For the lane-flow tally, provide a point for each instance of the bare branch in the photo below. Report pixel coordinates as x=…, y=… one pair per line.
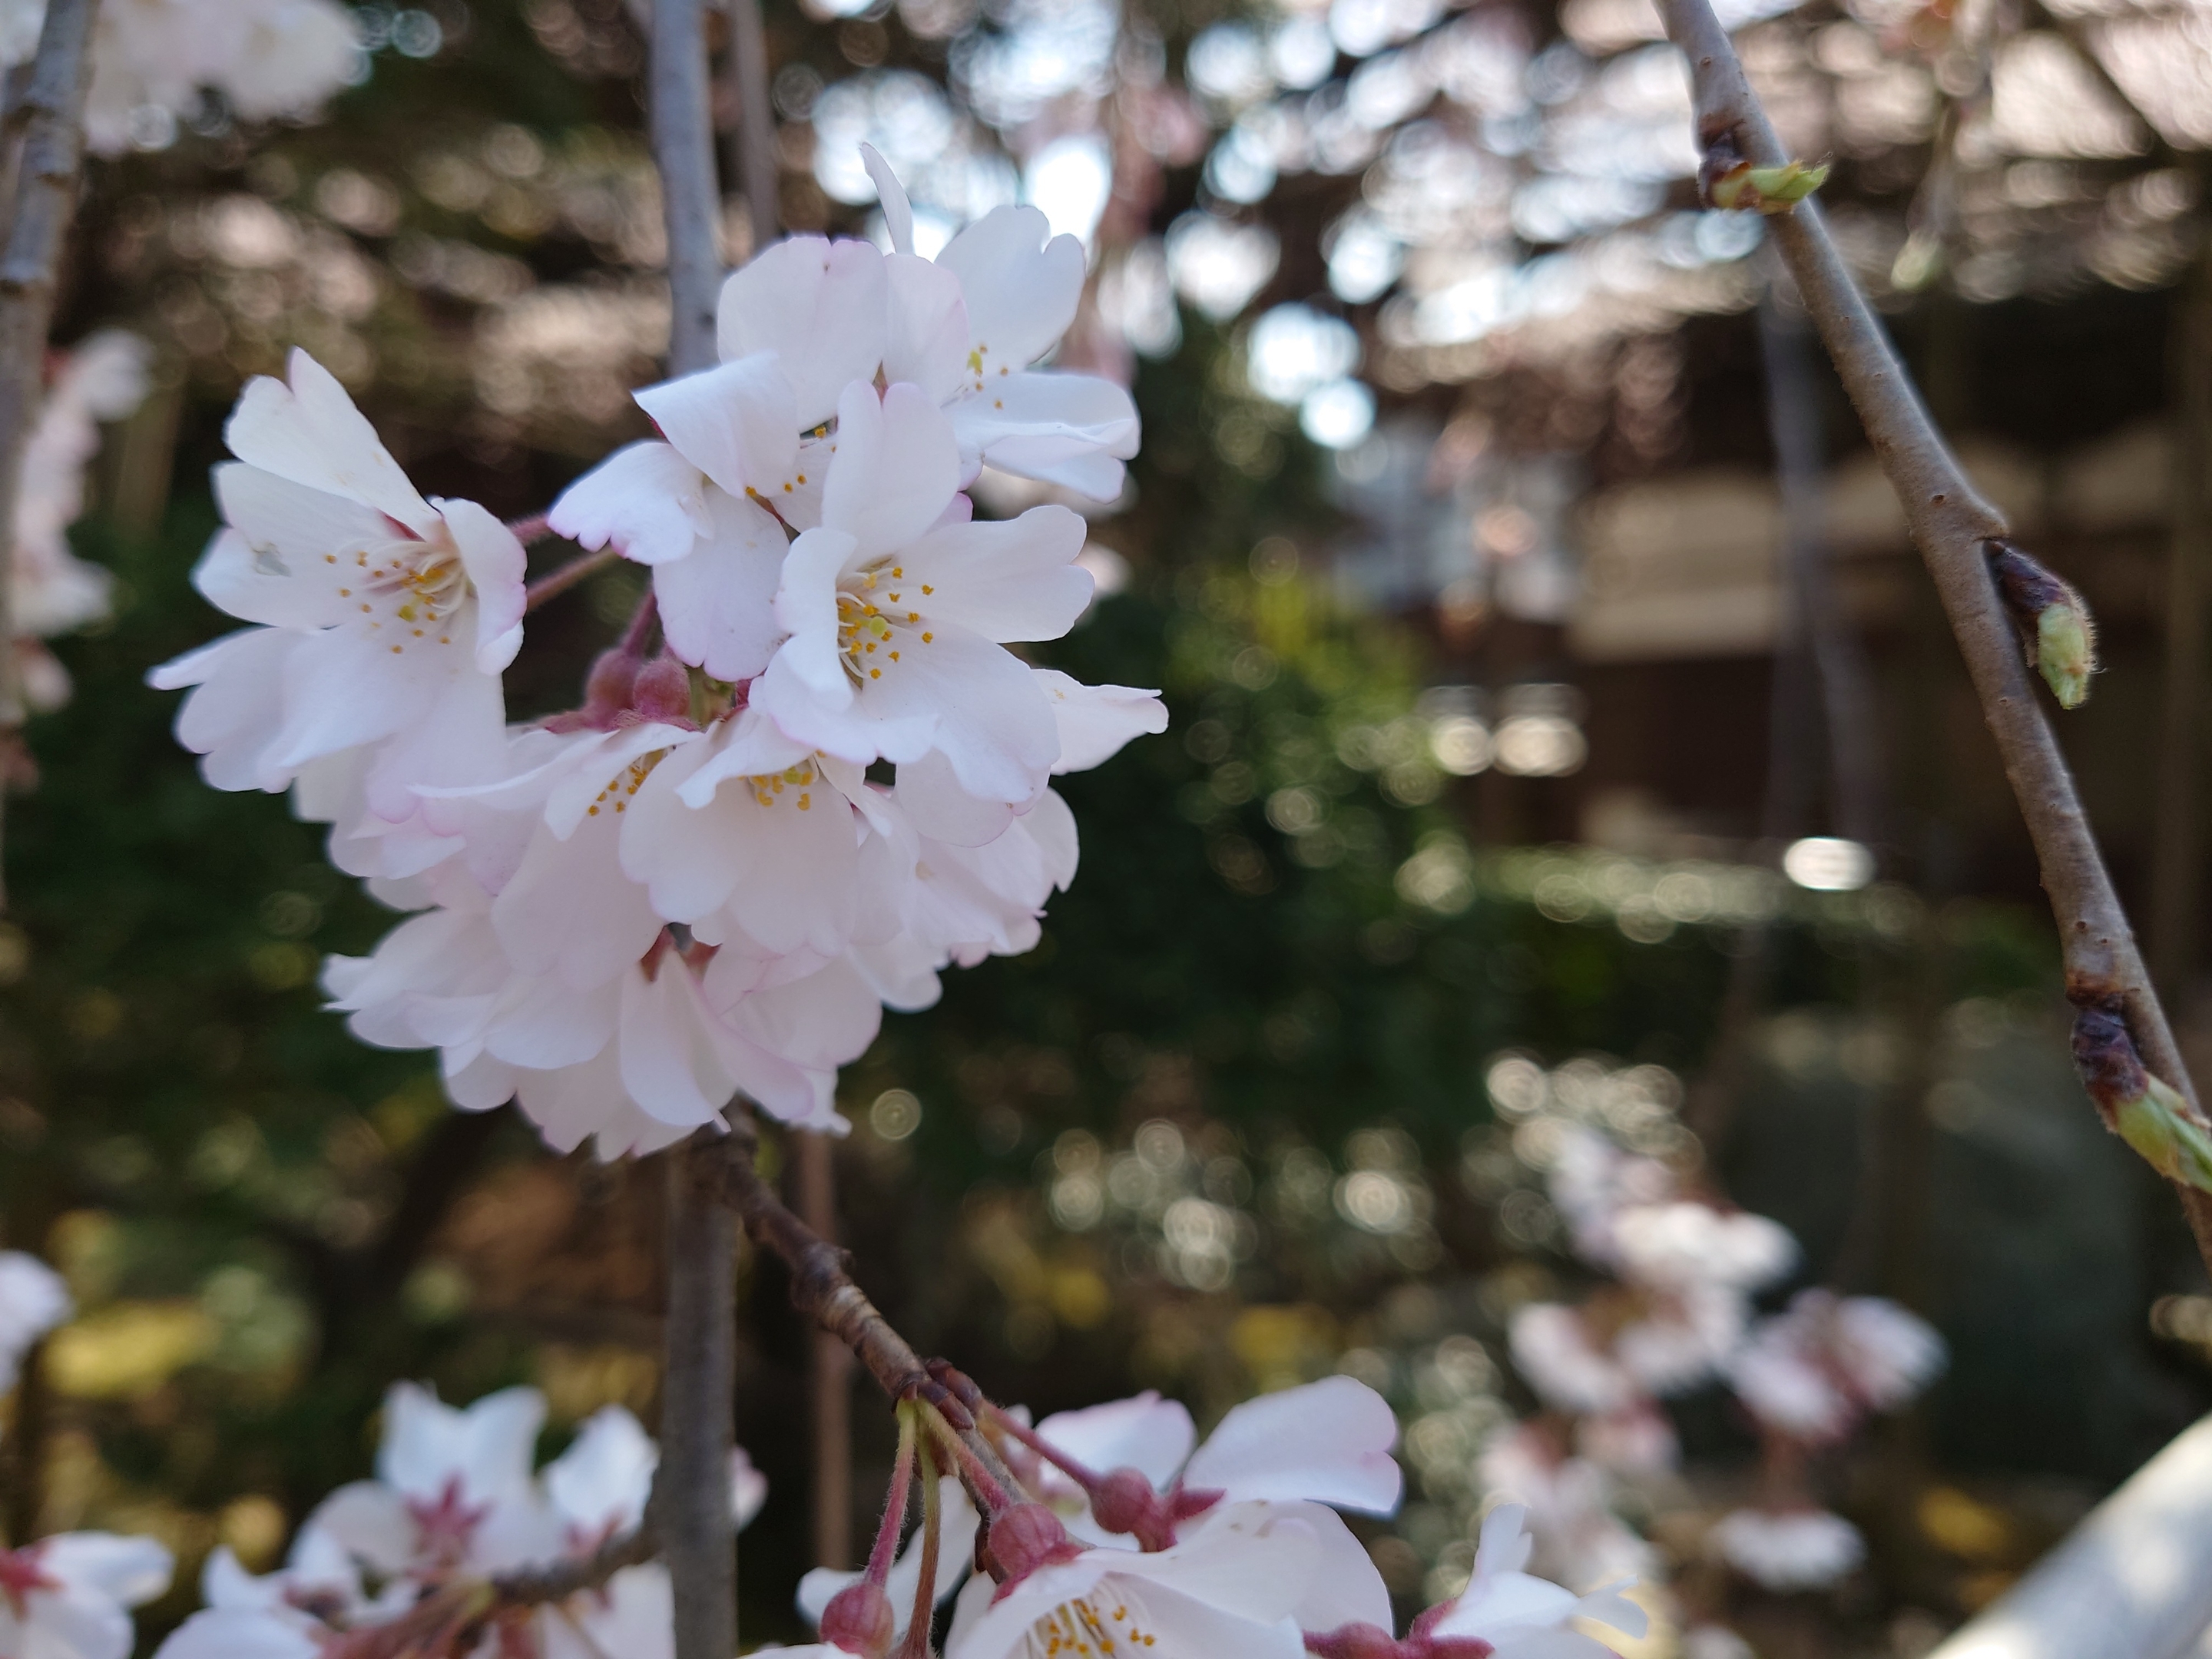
x=753, y=164
x=691, y=1490
x=1952, y=526
x=51, y=111
x=534, y=1587
x=683, y=150
x=561, y=579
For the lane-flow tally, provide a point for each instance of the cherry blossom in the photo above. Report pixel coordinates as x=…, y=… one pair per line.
x=966, y=327
x=898, y=610
x=1789, y=1548
x=1231, y=1590
x=384, y=618
x=33, y=1301
x=69, y=1597
x=1814, y=1372
x=150, y=60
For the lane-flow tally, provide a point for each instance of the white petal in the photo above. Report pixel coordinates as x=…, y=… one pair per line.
x=1328, y=1441
x=928, y=340
x=819, y=305
x=1022, y=284
x=897, y=467
x=494, y=561
x=1009, y=582
x=296, y=539
x=1144, y=1432
x=645, y=500
x=898, y=212
x=942, y=811
x=1063, y=427
x=310, y=432
x=806, y=609
x=991, y=720
x=128, y=1570
x=735, y=423
x=717, y=604
x=602, y=1480
x=1095, y=722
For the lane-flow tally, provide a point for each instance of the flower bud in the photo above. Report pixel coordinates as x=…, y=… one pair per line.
x=1124, y=1501
x=1762, y=190
x=2151, y=1116
x=1029, y=1536
x=858, y=1619
x=2063, y=647
x=612, y=679
x=663, y=692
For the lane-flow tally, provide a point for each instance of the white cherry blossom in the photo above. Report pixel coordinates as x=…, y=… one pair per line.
x=384, y=618
x=1229, y=1593
x=966, y=328
x=899, y=608
x=1788, y=1549
x=1523, y=1617
x=69, y=1597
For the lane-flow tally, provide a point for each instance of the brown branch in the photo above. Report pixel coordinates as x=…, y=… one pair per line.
x=533, y=1587
x=690, y=200
x=691, y=1490
x=52, y=111
x=1953, y=526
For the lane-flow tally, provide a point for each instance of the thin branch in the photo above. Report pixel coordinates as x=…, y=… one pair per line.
x=691, y=1490
x=559, y=580
x=683, y=150
x=1953, y=526
x=753, y=161
x=828, y=1371
x=52, y=113
x=534, y=1587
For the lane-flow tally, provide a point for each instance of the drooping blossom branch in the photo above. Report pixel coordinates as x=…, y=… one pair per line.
x=52, y=111
x=1958, y=533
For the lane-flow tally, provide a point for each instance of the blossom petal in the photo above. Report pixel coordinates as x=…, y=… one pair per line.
x=129, y=1571
x=1015, y=580
x=1328, y=1441
x=310, y=432
x=897, y=467
x=645, y=499
x=1064, y=428
x=717, y=604
x=898, y=212
x=928, y=340
x=1144, y=1432
x=496, y=560
x=735, y=423
x=818, y=305
x=293, y=538
x=806, y=609
x=1095, y=722
x=1022, y=284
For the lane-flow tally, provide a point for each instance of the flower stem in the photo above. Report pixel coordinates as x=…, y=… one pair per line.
x=555, y=582
x=916, y=1645
x=887, y=1534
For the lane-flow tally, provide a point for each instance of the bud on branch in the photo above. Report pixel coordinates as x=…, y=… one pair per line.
x=2061, y=634
x=2172, y=1135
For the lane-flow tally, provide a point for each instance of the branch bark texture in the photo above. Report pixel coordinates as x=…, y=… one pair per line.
x=1952, y=526
x=683, y=150
x=691, y=1490
x=51, y=115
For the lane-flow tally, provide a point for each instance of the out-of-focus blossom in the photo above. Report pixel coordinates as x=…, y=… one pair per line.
x=1788, y=1549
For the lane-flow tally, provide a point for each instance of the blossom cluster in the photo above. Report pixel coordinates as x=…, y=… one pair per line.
x=153, y=59
x=1676, y=1313
x=830, y=778
x=454, y=1502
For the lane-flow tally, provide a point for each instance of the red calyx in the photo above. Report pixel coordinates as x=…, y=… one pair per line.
x=1026, y=1537
x=1373, y=1642
x=858, y=1619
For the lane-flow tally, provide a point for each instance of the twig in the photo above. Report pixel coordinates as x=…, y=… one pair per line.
x=561, y=579
x=1953, y=526
x=683, y=150
x=52, y=113
x=828, y=1371
x=535, y=1586
x=753, y=146
x=691, y=1491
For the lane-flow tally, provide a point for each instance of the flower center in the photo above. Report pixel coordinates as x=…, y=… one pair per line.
x=1096, y=1627
x=406, y=589
x=443, y=1529
x=625, y=783
x=875, y=625
x=20, y=1574
x=798, y=781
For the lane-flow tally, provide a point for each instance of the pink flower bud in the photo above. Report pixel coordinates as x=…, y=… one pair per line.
x=663, y=691
x=1124, y=1501
x=858, y=1619
x=614, y=673
x=1029, y=1536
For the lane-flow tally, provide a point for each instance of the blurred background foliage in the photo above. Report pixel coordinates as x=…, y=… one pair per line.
x=1238, y=1121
